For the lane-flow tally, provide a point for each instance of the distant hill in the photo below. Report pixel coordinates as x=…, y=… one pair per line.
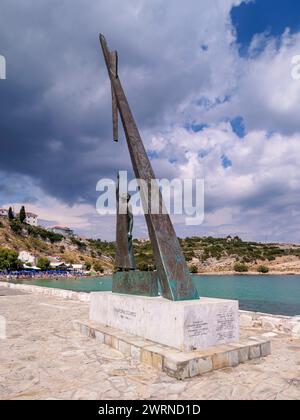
x=229, y=255
x=42, y=243
x=203, y=255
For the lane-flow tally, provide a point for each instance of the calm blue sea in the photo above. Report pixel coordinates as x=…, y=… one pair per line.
x=270, y=294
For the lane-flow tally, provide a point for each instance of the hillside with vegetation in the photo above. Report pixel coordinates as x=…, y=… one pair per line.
x=228, y=255
x=203, y=255
x=16, y=237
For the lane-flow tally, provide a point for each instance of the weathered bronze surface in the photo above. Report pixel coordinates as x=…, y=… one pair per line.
x=124, y=249
x=171, y=266
x=114, y=66
x=142, y=283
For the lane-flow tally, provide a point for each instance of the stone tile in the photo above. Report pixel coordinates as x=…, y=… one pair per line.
x=200, y=366
x=254, y=352
x=246, y=320
x=125, y=348
x=265, y=349
x=85, y=330
x=183, y=371
x=115, y=343
x=99, y=336
x=135, y=352
x=157, y=361
x=221, y=360
x=146, y=357
x=108, y=340
x=243, y=354
x=92, y=333
x=233, y=358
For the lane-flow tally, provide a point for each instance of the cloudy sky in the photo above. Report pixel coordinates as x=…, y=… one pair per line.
x=210, y=83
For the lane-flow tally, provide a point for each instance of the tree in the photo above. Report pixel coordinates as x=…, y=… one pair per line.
x=263, y=269
x=11, y=214
x=88, y=265
x=22, y=214
x=194, y=269
x=16, y=226
x=43, y=263
x=241, y=268
x=9, y=260
x=98, y=267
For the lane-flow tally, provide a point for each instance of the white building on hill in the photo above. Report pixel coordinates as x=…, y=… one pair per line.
x=31, y=219
x=62, y=230
x=27, y=258
x=3, y=213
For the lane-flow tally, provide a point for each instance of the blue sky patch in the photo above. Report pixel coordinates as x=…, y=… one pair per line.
x=238, y=126
x=195, y=127
x=271, y=16
x=207, y=103
x=226, y=162
x=152, y=154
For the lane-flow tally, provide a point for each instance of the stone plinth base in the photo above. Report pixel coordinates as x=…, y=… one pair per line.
x=142, y=283
x=186, y=325
x=180, y=365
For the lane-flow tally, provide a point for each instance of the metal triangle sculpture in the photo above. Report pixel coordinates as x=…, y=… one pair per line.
x=172, y=271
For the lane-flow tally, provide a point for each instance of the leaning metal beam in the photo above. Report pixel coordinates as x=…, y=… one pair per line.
x=171, y=266
x=114, y=67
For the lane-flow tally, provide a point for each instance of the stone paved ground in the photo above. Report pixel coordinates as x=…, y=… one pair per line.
x=43, y=358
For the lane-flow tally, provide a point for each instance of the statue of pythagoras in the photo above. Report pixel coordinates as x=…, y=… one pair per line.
x=172, y=271
x=124, y=248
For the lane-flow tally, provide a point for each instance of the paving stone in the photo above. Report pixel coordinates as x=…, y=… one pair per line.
x=45, y=358
x=255, y=352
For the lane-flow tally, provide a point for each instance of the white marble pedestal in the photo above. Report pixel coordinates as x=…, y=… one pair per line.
x=186, y=325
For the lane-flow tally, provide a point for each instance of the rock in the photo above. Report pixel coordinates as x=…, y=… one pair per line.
x=271, y=323
x=292, y=325
x=296, y=331
x=246, y=320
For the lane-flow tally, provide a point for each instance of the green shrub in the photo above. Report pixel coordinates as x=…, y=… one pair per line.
x=263, y=269
x=80, y=245
x=194, y=269
x=9, y=260
x=241, y=268
x=39, y=232
x=143, y=266
x=16, y=226
x=43, y=263
x=88, y=265
x=98, y=267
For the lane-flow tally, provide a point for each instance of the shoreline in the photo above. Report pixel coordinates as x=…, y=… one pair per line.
x=205, y=273
x=247, y=318
x=14, y=278
x=248, y=273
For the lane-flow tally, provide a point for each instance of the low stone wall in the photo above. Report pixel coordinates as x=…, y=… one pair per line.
x=47, y=291
x=275, y=323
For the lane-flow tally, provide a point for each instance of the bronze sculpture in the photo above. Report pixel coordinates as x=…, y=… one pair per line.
x=124, y=249
x=172, y=271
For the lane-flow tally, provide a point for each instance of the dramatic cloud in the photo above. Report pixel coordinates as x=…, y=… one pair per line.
x=257, y=195
x=203, y=109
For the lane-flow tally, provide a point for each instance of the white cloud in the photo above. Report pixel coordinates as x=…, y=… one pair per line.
x=165, y=73
x=265, y=93
x=261, y=187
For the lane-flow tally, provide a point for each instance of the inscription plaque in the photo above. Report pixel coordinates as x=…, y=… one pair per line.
x=225, y=325
x=123, y=314
x=197, y=329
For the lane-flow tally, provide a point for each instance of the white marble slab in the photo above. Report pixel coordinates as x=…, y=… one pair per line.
x=187, y=325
